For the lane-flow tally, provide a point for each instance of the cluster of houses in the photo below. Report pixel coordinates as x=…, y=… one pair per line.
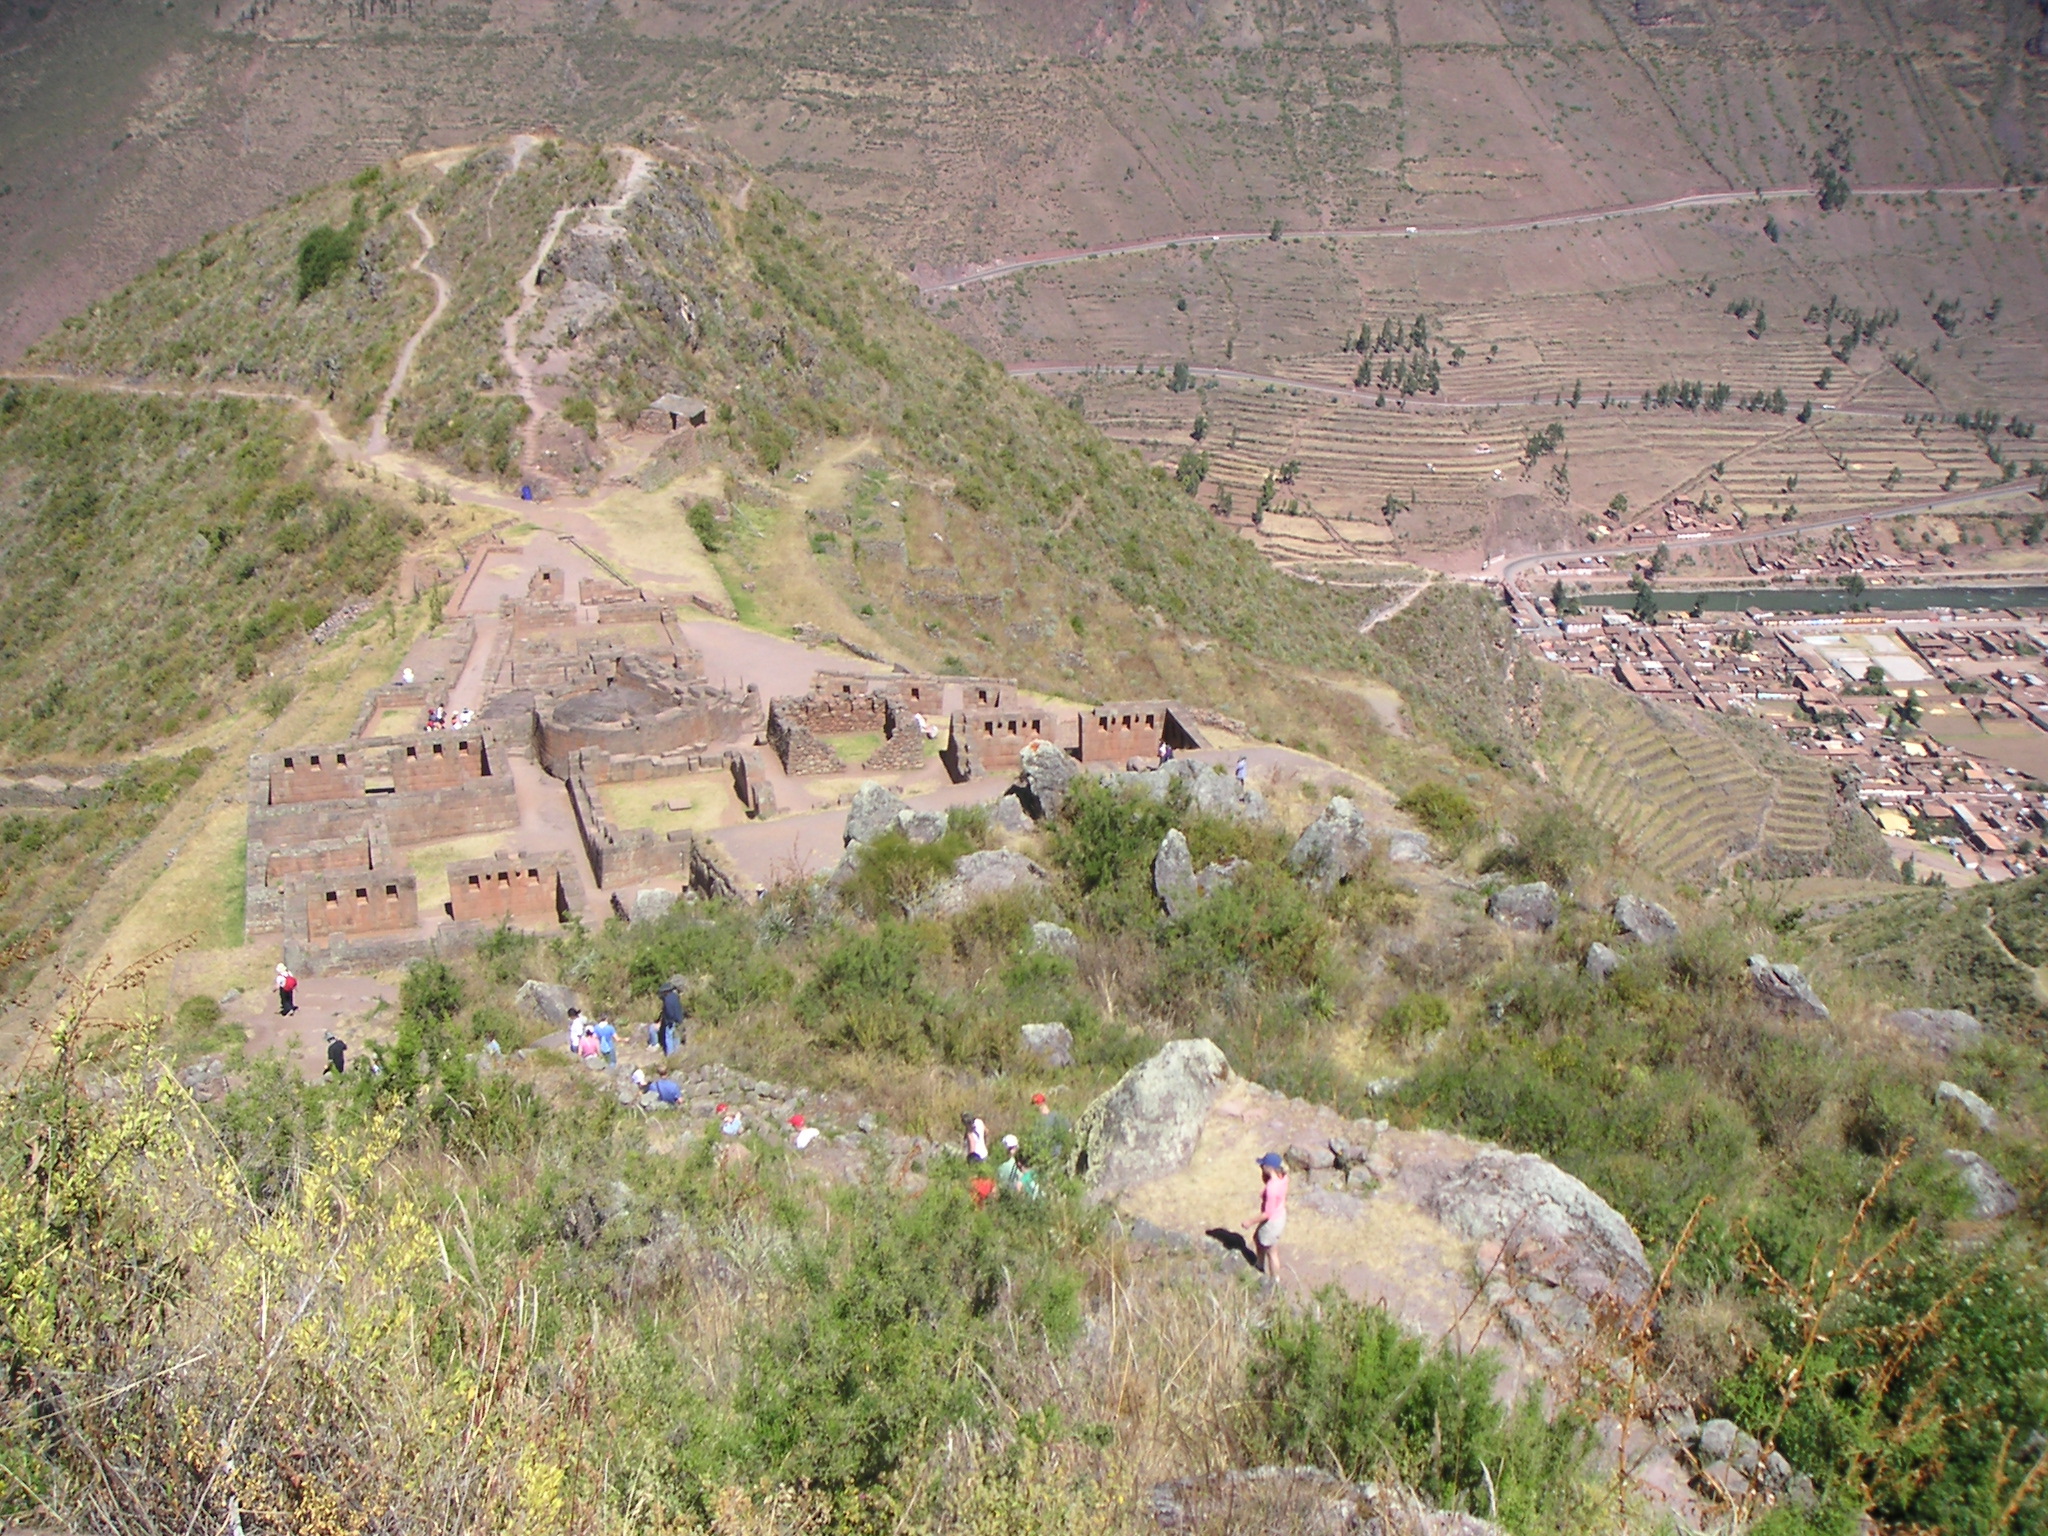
x=1939, y=720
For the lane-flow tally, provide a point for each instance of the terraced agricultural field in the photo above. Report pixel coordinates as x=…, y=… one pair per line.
x=1681, y=792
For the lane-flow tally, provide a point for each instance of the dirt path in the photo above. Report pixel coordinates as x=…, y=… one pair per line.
x=380, y=439
x=1399, y=605
x=524, y=380
x=1692, y=200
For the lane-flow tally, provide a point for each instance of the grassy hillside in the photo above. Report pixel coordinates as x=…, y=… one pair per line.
x=155, y=550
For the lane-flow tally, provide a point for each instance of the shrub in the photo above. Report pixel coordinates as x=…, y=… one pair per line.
x=1444, y=810
x=1552, y=845
x=578, y=411
x=1417, y=1015
x=891, y=872
x=703, y=519
x=1340, y=1384
x=322, y=256
x=431, y=991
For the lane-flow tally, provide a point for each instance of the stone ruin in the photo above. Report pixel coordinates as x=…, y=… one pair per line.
x=991, y=738
x=642, y=709
x=850, y=704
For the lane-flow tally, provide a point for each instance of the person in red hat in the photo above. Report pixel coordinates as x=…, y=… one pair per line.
x=805, y=1134
x=1271, y=1221
x=1053, y=1133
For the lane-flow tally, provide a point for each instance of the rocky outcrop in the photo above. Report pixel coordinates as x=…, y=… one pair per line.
x=1785, y=988
x=1943, y=1031
x=1643, y=920
x=1340, y=843
x=546, y=1001
x=1045, y=774
x=1146, y=1126
x=1211, y=790
x=1601, y=962
x=1531, y=908
x=976, y=878
x=1550, y=1226
x=1958, y=1097
x=1052, y=939
x=1211, y=878
x=1052, y=1044
x=1173, y=874
x=922, y=827
x=875, y=810
x=1995, y=1198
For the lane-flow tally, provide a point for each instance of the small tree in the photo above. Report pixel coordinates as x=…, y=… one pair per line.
x=1183, y=379
x=1619, y=506
x=1200, y=429
x=1645, y=605
x=1192, y=470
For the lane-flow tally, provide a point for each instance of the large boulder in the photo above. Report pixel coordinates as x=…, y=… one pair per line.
x=1211, y=878
x=976, y=878
x=1340, y=842
x=1212, y=789
x=1785, y=988
x=1173, y=874
x=1146, y=1126
x=876, y=809
x=651, y=904
x=1052, y=1044
x=1995, y=1198
x=1044, y=775
x=1532, y=908
x=922, y=827
x=1643, y=920
x=1052, y=939
x=1943, y=1031
x=1008, y=815
x=547, y=1001
x=1551, y=1227
x=1959, y=1097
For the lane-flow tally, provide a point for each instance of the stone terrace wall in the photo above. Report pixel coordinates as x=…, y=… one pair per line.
x=1115, y=733
x=521, y=891
x=357, y=902
x=437, y=759
x=480, y=805
x=623, y=855
x=798, y=746
x=985, y=741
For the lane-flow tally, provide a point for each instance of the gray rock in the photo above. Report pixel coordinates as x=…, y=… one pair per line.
x=976, y=878
x=1146, y=1126
x=1969, y=1103
x=1211, y=878
x=1995, y=1198
x=1531, y=908
x=875, y=810
x=865, y=1125
x=1052, y=939
x=1556, y=1229
x=651, y=904
x=1644, y=920
x=545, y=1000
x=229, y=996
x=1045, y=774
x=1008, y=815
x=1601, y=962
x=1333, y=847
x=1052, y=1044
x=1785, y=988
x=1941, y=1030
x=1310, y=1157
x=1681, y=1423
x=1777, y=1471
x=1801, y=1493
x=1748, y=1455
x=1726, y=1480
x=1173, y=874
x=1406, y=847
x=1717, y=1440
x=1216, y=793
x=922, y=827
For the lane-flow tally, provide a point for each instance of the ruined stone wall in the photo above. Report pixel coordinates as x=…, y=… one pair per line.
x=361, y=901
x=833, y=713
x=646, y=722
x=798, y=746
x=303, y=835
x=623, y=855
x=1115, y=733
x=303, y=774
x=435, y=815
x=986, y=741
x=750, y=781
x=438, y=759
x=523, y=892
x=904, y=749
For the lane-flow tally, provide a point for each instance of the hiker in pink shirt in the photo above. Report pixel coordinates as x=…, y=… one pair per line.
x=1272, y=1217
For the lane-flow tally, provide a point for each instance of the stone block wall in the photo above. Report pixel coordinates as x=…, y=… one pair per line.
x=798, y=746
x=904, y=749
x=438, y=759
x=985, y=741
x=363, y=901
x=641, y=715
x=750, y=781
x=1115, y=733
x=524, y=892
x=833, y=712
x=302, y=774
x=624, y=855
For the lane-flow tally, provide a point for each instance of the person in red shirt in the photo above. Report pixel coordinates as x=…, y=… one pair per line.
x=1272, y=1218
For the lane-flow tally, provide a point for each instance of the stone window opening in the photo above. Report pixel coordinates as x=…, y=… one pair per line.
x=363, y=895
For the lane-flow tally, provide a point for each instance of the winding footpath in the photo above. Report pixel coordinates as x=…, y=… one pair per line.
x=952, y=283
x=380, y=437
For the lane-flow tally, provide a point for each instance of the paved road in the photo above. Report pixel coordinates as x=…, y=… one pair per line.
x=1353, y=393
x=1515, y=567
x=1720, y=199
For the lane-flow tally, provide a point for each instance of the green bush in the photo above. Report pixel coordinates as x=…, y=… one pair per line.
x=1341, y=1385
x=323, y=255
x=578, y=411
x=1553, y=845
x=891, y=872
x=1444, y=810
x=1417, y=1015
x=703, y=519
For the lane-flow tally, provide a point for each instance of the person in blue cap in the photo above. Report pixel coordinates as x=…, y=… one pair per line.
x=1272, y=1218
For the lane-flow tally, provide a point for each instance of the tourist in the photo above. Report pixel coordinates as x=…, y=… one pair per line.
x=1006, y=1170
x=1244, y=774
x=1165, y=753
x=669, y=1031
x=1027, y=1177
x=587, y=1047
x=805, y=1134
x=640, y=1079
x=576, y=1028
x=337, y=1055
x=730, y=1124
x=981, y=1186
x=1053, y=1129
x=287, y=985
x=405, y=677
x=977, y=1138
x=607, y=1042
x=666, y=1089
x=1271, y=1221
